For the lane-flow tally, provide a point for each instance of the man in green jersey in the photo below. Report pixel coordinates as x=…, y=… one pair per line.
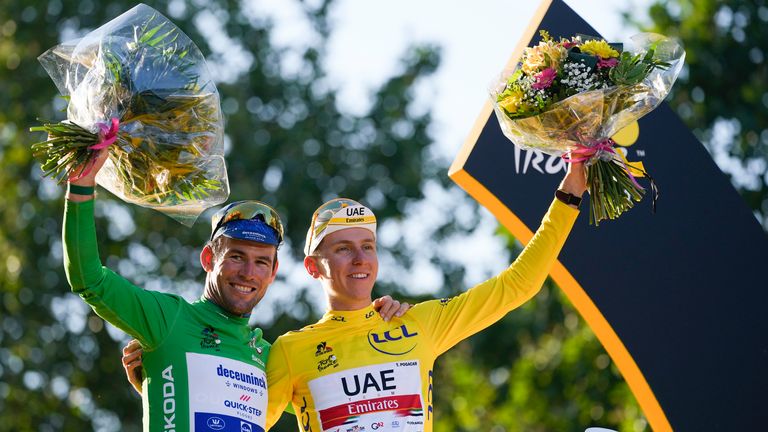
x=204, y=367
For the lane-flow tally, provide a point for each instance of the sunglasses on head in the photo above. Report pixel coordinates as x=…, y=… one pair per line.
x=324, y=213
x=247, y=210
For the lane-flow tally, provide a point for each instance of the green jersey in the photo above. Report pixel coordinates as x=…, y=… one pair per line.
x=204, y=369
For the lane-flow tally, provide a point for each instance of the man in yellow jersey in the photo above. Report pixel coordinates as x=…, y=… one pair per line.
x=350, y=372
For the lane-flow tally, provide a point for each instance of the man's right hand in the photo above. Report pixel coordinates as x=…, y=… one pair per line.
x=89, y=179
x=132, y=363
x=575, y=180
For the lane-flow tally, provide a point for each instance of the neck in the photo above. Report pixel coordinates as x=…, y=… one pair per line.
x=209, y=295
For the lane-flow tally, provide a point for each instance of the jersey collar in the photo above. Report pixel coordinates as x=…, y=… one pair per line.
x=347, y=317
x=213, y=307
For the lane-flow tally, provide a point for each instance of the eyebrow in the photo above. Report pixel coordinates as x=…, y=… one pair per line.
x=239, y=251
x=365, y=240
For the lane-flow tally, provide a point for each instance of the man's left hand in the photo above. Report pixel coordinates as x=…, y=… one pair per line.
x=389, y=307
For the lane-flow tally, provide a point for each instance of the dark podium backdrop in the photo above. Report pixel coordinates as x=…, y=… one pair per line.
x=677, y=298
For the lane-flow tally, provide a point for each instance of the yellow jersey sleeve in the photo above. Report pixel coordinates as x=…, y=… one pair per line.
x=453, y=319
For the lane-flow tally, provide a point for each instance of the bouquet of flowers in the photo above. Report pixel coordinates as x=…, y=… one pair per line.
x=568, y=97
x=140, y=88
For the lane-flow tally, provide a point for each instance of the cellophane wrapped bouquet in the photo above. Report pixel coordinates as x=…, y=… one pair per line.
x=139, y=88
x=568, y=97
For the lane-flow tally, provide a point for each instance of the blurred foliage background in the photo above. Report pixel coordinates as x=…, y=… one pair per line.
x=539, y=369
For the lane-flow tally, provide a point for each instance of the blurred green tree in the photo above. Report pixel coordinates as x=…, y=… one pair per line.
x=540, y=368
x=722, y=94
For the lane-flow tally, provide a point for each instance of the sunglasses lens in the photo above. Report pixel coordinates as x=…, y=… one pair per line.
x=326, y=212
x=249, y=210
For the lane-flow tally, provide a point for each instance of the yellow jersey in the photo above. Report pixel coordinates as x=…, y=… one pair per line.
x=353, y=372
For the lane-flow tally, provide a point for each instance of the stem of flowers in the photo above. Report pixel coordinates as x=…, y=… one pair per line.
x=611, y=191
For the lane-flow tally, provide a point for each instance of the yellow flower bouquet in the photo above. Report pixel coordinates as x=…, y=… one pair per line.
x=568, y=97
x=140, y=89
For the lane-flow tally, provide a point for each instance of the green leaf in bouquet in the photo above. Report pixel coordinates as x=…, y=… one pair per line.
x=629, y=71
x=145, y=35
x=169, y=57
x=161, y=38
x=634, y=68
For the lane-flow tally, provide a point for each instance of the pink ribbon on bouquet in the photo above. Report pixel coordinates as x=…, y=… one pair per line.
x=107, y=137
x=585, y=152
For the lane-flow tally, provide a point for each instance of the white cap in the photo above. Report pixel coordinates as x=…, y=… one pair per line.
x=336, y=215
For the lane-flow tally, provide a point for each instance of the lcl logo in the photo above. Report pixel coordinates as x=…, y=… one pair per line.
x=391, y=341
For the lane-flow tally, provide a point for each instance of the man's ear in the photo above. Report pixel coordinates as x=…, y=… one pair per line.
x=310, y=263
x=206, y=258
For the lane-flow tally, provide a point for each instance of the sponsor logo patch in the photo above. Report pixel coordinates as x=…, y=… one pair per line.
x=216, y=423
x=210, y=339
x=322, y=348
x=376, y=397
x=330, y=362
x=396, y=341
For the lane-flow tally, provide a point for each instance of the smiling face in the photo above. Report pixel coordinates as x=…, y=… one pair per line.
x=238, y=273
x=346, y=264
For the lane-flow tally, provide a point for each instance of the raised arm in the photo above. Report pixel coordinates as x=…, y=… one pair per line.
x=81, y=253
x=454, y=319
x=145, y=315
